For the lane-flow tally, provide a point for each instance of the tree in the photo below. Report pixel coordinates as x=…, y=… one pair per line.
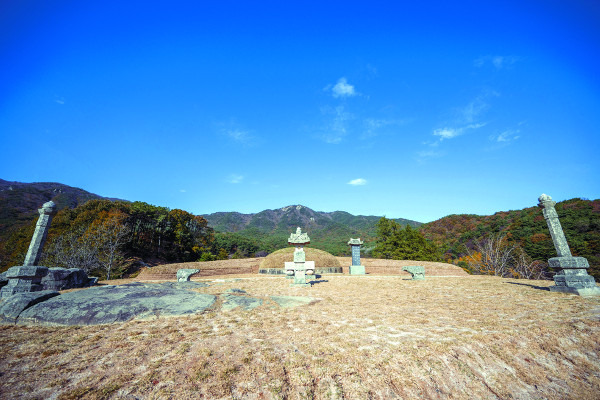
x=75, y=248
x=524, y=267
x=395, y=242
x=110, y=233
x=496, y=255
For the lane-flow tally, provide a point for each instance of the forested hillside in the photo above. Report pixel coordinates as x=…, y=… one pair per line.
x=526, y=228
x=108, y=238
x=269, y=229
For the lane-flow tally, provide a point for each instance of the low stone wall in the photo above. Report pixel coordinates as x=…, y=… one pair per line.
x=281, y=271
x=375, y=266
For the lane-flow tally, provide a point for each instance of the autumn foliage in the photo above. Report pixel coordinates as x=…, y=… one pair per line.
x=108, y=238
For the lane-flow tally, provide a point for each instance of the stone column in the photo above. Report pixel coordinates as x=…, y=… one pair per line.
x=572, y=277
x=28, y=277
x=34, y=253
x=356, y=268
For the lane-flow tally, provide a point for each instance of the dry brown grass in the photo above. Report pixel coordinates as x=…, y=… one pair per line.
x=367, y=337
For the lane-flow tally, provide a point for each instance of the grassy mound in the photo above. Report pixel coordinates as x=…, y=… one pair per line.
x=321, y=258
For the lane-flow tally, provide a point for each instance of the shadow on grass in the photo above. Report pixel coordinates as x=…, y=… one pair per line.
x=527, y=284
x=319, y=280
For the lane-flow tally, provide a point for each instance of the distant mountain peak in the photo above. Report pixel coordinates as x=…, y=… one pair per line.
x=289, y=208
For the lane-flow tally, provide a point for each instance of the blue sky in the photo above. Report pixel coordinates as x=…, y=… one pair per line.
x=410, y=110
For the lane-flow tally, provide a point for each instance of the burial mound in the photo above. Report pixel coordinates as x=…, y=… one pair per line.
x=325, y=263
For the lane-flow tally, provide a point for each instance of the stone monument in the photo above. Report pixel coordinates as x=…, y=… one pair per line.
x=184, y=274
x=572, y=277
x=416, y=271
x=31, y=277
x=28, y=277
x=356, y=268
x=299, y=268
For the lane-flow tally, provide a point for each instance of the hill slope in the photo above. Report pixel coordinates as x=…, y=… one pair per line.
x=19, y=201
x=579, y=218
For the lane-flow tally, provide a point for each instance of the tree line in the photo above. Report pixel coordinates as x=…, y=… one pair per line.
x=113, y=238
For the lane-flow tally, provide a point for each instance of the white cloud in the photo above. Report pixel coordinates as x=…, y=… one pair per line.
x=236, y=132
x=472, y=110
x=343, y=89
x=447, y=133
x=59, y=100
x=498, y=62
x=182, y=190
x=507, y=136
x=337, y=128
x=234, y=178
x=423, y=156
x=238, y=135
x=372, y=126
x=357, y=182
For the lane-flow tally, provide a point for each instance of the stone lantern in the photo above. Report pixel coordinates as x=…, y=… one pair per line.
x=299, y=268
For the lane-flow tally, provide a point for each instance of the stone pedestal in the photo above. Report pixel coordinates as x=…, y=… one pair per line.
x=573, y=277
x=23, y=279
x=357, y=270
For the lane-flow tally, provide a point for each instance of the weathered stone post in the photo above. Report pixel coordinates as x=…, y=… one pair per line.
x=34, y=253
x=299, y=268
x=28, y=277
x=356, y=268
x=573, y=277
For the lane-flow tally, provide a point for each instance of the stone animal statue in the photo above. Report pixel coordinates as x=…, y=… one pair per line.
x=417, y=271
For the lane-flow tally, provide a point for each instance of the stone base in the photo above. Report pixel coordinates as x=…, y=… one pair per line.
x=595, y=291
x=568, y=263
x=573, y=280
x=357, y=270
x=16, y=286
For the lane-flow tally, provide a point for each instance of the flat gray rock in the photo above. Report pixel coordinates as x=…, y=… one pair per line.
x=13, y=306
x=187, y=285
x=109, y=304
x=231, y=301
x=292, y=301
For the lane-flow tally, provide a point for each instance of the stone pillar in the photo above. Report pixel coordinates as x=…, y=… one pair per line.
x=572, y=277
x=34, y=253
x=356, y=268
x=28, y=277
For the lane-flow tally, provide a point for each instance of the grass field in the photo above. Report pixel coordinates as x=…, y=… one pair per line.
x=367, y=337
